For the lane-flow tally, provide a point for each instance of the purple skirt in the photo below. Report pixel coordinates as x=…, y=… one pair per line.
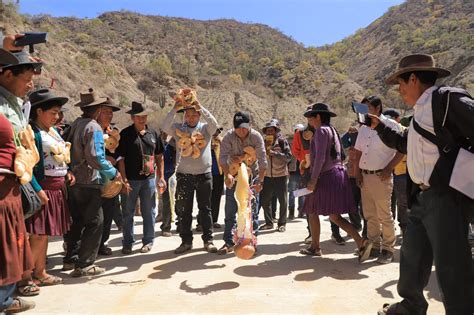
x=333, y=194
x=53, y=219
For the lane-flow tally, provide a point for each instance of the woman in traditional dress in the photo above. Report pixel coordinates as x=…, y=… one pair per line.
x=51, y=173
x=331, y=191
x=15, y=254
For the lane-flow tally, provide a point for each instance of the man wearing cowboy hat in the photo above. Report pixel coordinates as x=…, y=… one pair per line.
x=92, y=170
x=437, y=228
x=141, y=165
x=193, y=171
x=276, y=176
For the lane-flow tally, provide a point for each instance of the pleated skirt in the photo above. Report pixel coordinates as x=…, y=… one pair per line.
x=333, y=194
x=53, y=219
x=15, y=252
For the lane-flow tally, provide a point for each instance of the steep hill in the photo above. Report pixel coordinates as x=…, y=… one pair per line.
x=443, y=28
x=234, y=65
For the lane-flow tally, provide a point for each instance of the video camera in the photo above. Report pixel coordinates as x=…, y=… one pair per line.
x=30, y=39
x=362, y=112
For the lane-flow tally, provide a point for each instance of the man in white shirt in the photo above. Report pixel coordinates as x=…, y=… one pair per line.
x=374, y=167
x=437, y=227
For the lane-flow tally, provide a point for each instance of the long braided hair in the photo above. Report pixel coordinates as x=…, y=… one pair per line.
x=326, y=121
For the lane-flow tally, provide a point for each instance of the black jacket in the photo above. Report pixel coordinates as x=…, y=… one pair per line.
x=453, y=127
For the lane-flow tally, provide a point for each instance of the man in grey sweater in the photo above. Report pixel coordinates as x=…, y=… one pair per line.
x=232, y=150
x=193, y=171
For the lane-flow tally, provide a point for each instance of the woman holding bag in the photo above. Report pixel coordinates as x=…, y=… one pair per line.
x=51, y=173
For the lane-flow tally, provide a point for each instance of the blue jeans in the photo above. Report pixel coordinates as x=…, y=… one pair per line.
x=231, y=212
x=6, y=292
x=145, y=189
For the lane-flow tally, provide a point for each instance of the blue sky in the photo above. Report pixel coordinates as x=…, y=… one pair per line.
x=311, y=22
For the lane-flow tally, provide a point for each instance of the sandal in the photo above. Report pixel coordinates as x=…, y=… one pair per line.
x=311, y=251
x=47, y=281
x=364, y=251
x=225, y=249
x=28, y=289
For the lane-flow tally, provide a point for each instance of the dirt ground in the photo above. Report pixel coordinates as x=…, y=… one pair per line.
x=277, y=280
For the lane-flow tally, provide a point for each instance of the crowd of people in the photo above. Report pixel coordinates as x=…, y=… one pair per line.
x=89, y=174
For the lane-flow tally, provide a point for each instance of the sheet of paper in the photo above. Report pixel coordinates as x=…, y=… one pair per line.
x=301, y=192
x=462, y=178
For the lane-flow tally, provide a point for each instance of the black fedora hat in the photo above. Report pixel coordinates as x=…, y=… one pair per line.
x=138, y=109
x=44, y=96
x=319, y=108
x=416, y=62
x=10, y=60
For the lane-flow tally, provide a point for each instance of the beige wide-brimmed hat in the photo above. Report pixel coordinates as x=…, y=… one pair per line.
x=416, y=62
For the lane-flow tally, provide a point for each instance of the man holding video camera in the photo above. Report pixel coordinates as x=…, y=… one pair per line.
x=374, y=166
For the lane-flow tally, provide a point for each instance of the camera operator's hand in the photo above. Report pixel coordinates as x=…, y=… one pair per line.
x=374, y=121
x=9, y=42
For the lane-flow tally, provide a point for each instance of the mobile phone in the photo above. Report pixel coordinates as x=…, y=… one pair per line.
x=362, y=112
x=31, y=39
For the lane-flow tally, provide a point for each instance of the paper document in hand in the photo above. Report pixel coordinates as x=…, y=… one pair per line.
x=301, y=192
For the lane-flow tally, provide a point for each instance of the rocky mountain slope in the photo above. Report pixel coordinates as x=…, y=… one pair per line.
x=238, y=66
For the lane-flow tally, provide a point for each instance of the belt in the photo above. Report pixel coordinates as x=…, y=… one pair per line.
x=371, y=172
x=424, y=187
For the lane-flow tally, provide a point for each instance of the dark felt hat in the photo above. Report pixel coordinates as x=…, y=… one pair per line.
x=89, y=98
x=45, y=96
x=138, y=109
x=10, y=60
x=416, y=62
x=319, y=108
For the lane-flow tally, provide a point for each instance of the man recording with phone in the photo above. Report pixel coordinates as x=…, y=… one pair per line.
x=440, y=192
x=374, y=166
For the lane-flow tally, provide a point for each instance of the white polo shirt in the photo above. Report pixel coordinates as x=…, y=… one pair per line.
x=375, y=154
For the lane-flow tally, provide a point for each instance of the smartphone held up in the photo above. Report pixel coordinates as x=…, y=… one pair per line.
x=362, y=112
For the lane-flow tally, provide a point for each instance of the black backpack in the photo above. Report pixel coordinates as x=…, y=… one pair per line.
x=451, y=132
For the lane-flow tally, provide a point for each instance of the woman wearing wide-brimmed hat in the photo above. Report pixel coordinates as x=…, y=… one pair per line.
x=51, y=173
x=92, y=172
x=331, y=191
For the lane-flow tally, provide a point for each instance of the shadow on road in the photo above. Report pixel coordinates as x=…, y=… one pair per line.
x=221, y=286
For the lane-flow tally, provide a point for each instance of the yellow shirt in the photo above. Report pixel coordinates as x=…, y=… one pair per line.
x=401, y=168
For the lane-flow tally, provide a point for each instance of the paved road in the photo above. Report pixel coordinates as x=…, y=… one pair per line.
x=277, y=280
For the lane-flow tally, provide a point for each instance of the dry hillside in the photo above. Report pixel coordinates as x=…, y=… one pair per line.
x=234, y=65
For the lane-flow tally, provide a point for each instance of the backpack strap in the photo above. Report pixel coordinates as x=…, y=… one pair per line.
x=442, y=101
